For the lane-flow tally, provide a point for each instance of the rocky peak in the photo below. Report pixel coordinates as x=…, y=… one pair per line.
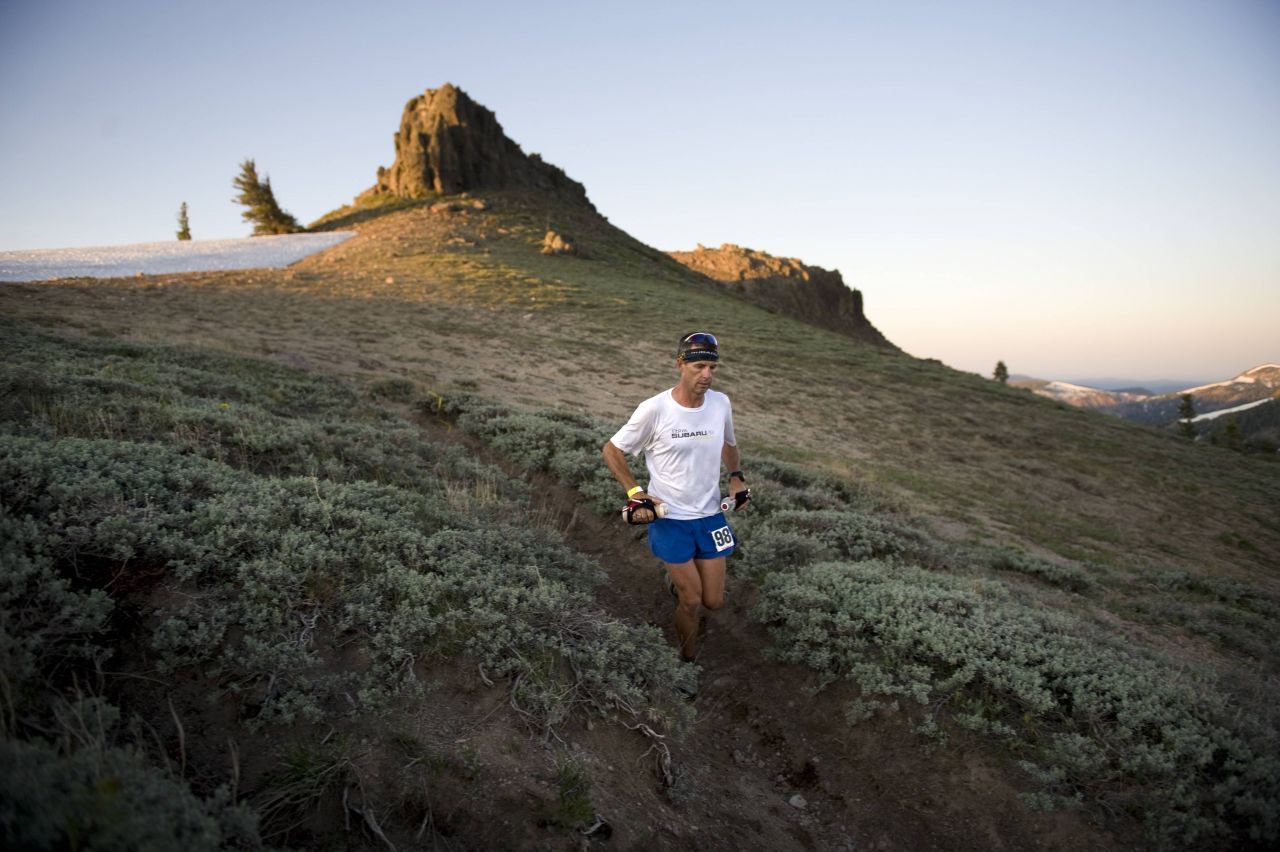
x=787, y=286
x=447, y=143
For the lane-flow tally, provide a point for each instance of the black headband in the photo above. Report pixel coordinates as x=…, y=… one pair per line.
x=699, y=346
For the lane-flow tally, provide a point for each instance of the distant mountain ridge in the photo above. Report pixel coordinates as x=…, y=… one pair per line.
x=1253, y=385
x=1147, y=387
x=1256, y=391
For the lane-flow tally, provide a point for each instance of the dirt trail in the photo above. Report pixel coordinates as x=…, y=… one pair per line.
x=771, y=765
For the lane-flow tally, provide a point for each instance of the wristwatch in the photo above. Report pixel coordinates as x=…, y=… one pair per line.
x=738, y=474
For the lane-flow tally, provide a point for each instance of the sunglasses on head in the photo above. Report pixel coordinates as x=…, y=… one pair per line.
x=699, y=338
x=699, y=346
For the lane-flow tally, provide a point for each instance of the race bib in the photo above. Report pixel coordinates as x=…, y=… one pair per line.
x=723, y=538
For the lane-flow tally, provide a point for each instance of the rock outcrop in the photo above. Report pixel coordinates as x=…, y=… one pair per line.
x=447, y=144
x=785, y=285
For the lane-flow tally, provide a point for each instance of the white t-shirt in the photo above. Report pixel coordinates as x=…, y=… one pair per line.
x=682, y=449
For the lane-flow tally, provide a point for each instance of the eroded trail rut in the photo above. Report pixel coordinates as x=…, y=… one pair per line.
x=770, y=764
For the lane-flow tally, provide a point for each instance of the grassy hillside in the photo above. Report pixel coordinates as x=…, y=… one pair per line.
x=951, y=557
x=279, y=558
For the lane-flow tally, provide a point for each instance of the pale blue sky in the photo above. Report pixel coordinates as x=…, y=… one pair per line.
x=1077, y=188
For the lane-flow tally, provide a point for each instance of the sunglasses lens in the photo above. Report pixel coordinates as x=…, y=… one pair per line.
x=699, y=346
x=701, y=339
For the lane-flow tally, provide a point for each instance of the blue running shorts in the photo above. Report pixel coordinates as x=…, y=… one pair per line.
x=676, y=542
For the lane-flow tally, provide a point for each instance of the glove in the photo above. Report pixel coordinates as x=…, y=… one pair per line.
x=657, y=510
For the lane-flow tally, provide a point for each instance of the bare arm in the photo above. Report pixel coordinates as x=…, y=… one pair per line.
x=732, y=461
x=731, y=457
x=617, y=462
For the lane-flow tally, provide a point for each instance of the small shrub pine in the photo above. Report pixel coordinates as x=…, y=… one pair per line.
x=259, y=200
x=184, y=224
x=1186, y=416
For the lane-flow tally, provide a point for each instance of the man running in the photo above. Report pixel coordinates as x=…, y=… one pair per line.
x=685, y=433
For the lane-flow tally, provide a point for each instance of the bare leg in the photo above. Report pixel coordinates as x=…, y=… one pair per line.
x=688, y=583
x=699, y=583
x=712, y=571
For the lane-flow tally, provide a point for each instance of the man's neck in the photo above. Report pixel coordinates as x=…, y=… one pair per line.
x=689, y=399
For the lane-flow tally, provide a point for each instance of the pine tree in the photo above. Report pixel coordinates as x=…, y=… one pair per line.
x=1186, y=412
x=1001, y=373
x=184, y=224
x=1231, y=433
x=262, y=209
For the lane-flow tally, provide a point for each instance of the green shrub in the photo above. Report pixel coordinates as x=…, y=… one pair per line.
x=292, y=516
x=269, y=556
x=572, y=807
x=1104, y=721
x=566, y=445
x=788, y=539
x=845, y=591
x=397, y=389
x=1065, y=575
x=44, y=622
x=260, y=418
x=110, y=799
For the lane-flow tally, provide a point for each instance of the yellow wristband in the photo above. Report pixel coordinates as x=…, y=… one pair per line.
x=634, y=491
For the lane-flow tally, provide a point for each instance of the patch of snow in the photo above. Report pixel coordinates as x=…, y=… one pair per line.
x=1212, y=414
x=1238, y=380
x=1067, y=387
x=1067, y=392
x=161, y=258
x=1248, y=377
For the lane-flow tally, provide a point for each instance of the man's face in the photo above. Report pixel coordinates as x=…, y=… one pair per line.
x=696, y=376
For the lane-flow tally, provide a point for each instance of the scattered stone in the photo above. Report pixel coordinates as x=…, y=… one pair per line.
x=739, y=758
x=599, y=828
x=798, y=802
x=391, y=280
x=554, y=243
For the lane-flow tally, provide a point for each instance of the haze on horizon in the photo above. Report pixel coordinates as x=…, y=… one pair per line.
x=1077, y=189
